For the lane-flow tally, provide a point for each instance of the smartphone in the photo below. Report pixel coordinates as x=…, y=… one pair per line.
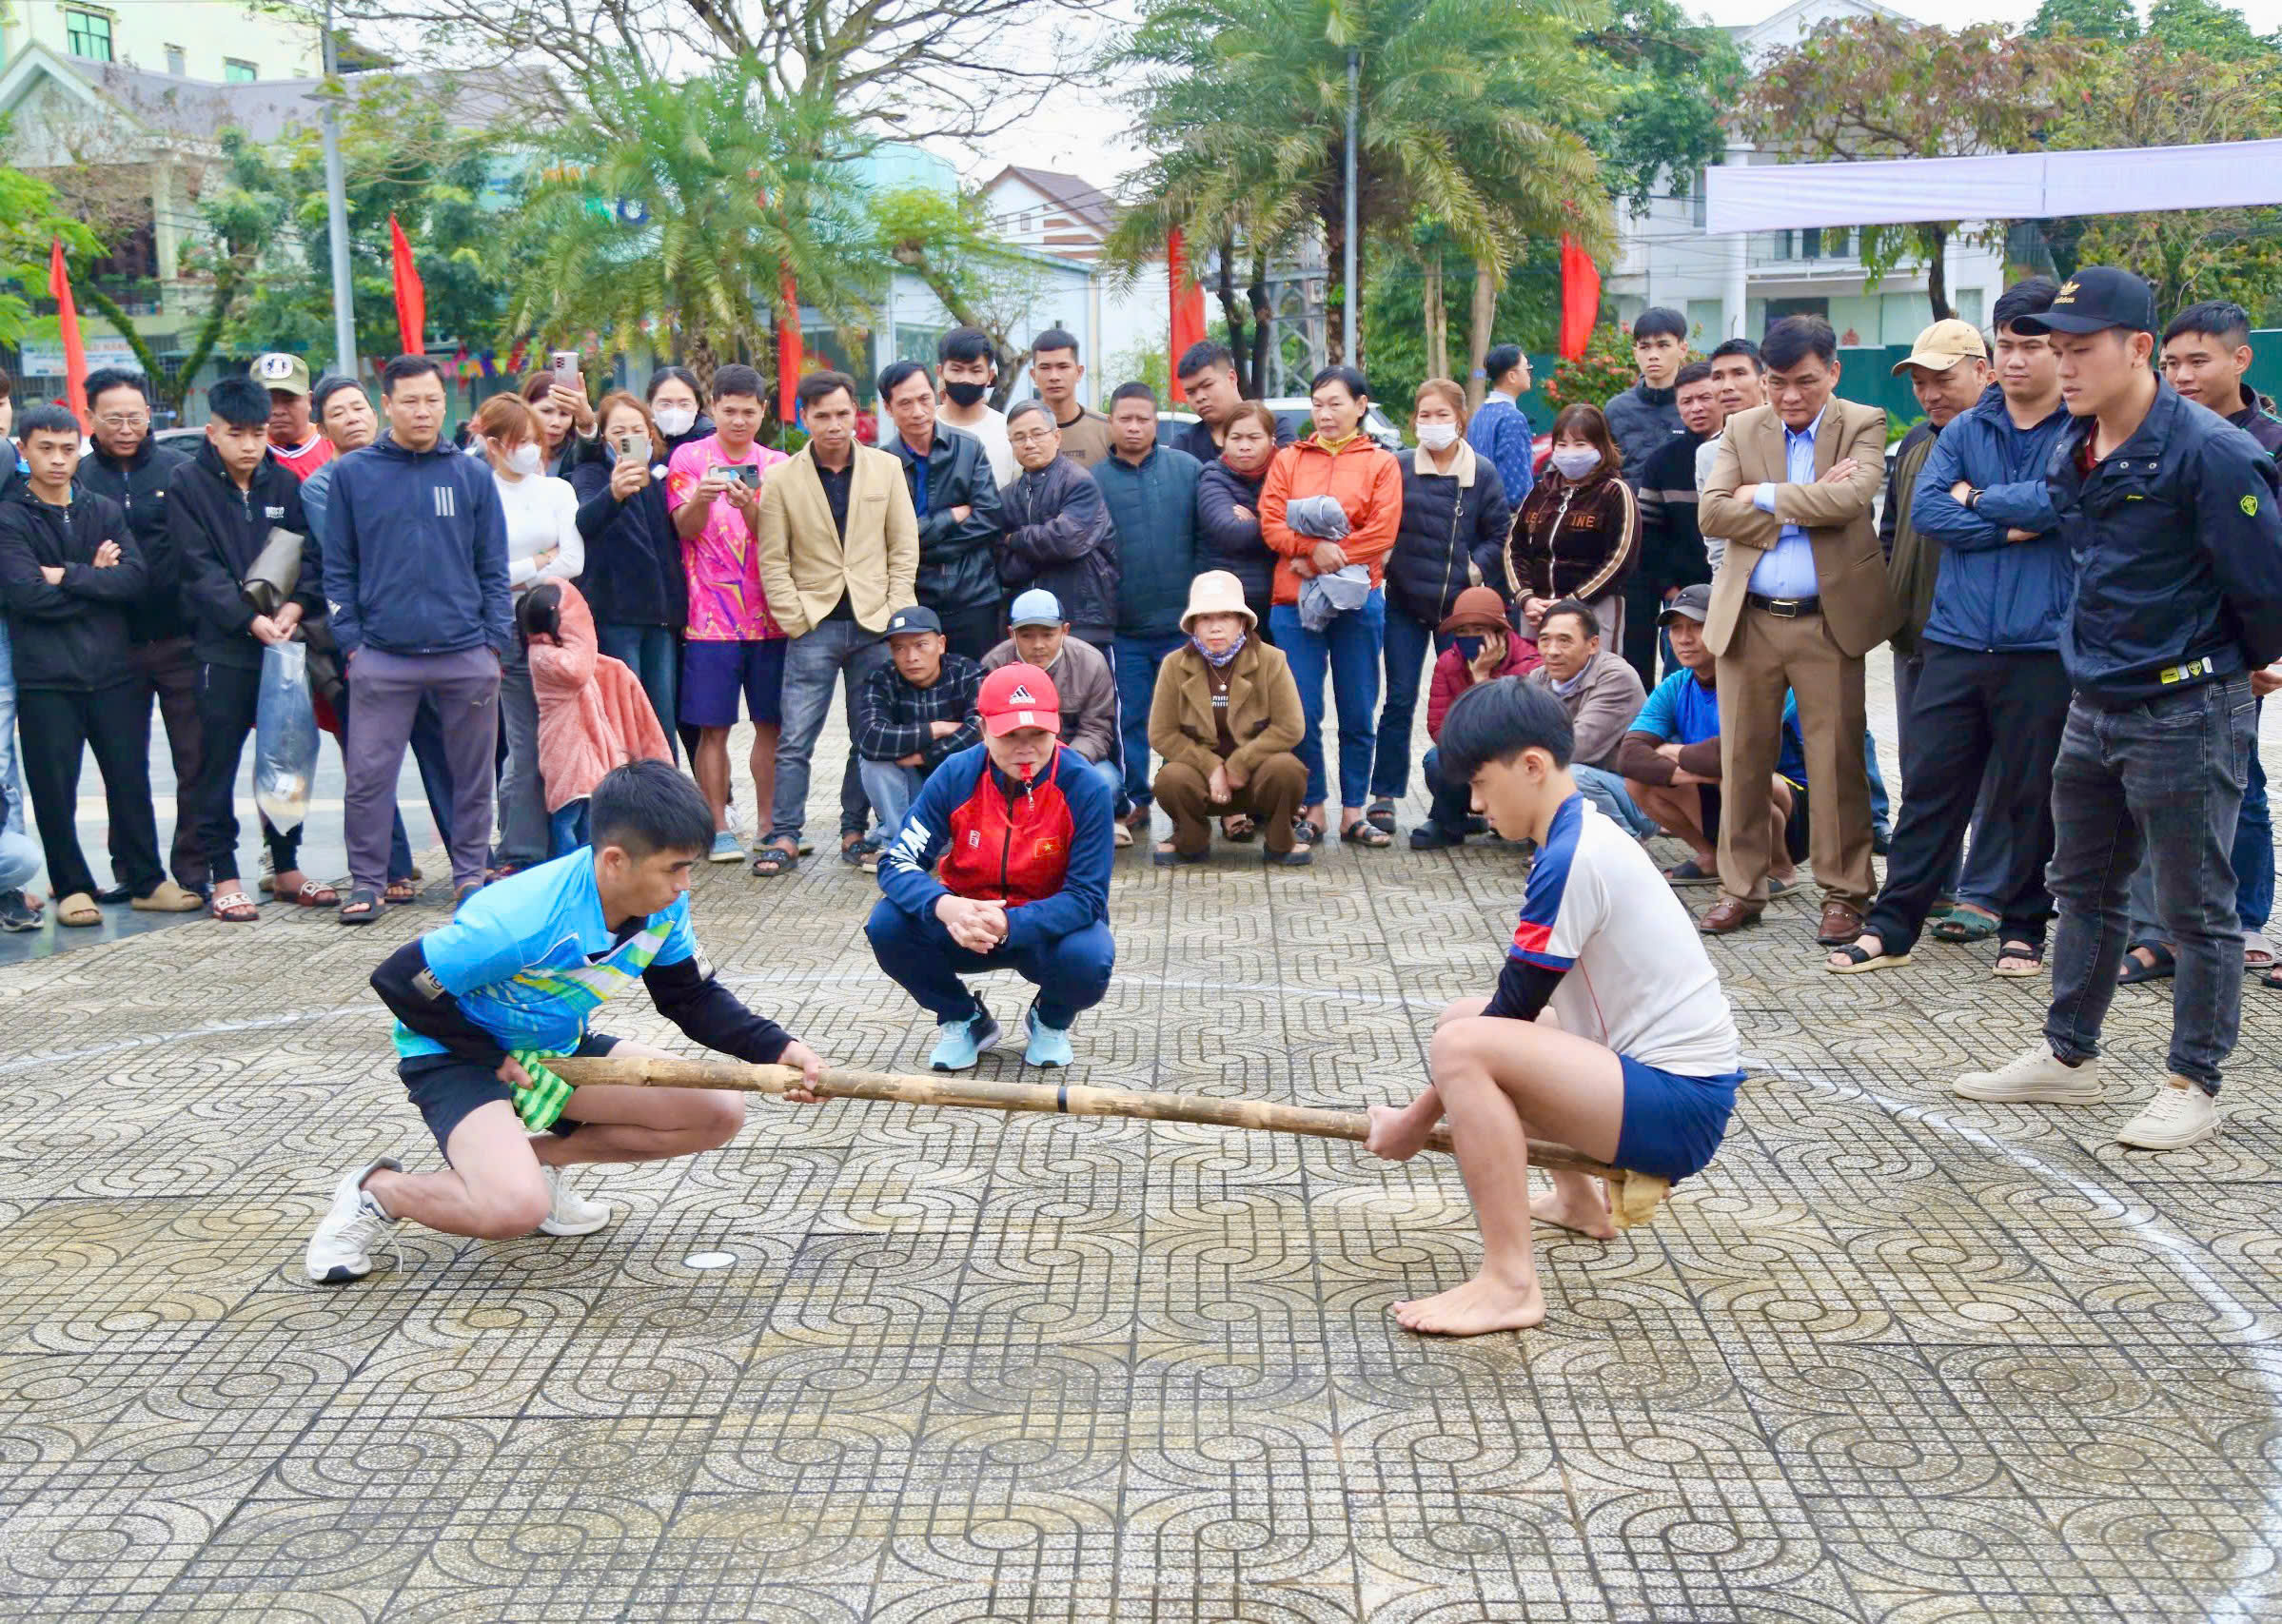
x=634, y=448
x=565, y=362
x=746, y=473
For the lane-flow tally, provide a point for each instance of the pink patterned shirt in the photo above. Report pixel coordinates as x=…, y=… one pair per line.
x=726, y=603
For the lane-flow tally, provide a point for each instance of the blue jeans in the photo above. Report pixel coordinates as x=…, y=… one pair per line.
x=2164, y=780
x=1349, y=646
x=1453, y=803
x=1880, y=824
x=19, y=859
x=891, y=790
x=12, y=776
x=1409, y=642
x=839, y=648
x=2254, y=859
x=1136, y=660
x=1071, y=972
x=1607, y=790
x=566, y=828
x=654, y=655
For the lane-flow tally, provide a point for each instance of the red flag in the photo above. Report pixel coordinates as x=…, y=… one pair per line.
x=411, y=299
x=1580, y=298
x=791, y=355
x=75, y=353
x=1187, y=326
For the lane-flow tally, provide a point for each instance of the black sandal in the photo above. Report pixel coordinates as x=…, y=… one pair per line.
x=1380, y=816
x=362, y=907
x=770, y=861
x=1306, y=832
x=1860, y=960
x=1240, y=829
x=1364, y=832
x=2033, y=953
x=2135, y=970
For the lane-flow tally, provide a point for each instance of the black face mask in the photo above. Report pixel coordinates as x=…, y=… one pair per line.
x=966, y=394
x=1469, y=649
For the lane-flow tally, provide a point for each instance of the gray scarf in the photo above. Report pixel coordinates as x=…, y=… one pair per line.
x=1217, y=661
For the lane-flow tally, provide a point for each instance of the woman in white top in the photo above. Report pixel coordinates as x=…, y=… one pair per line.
x=543, y=544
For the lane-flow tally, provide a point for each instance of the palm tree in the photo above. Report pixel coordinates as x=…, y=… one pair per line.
x=1470, y=113
x=689, y=206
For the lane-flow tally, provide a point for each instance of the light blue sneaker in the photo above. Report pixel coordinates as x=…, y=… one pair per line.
x=960, y=1043
x=726, y=848
x=1049, y=1046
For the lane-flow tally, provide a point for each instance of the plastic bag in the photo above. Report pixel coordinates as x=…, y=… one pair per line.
x=284, y=737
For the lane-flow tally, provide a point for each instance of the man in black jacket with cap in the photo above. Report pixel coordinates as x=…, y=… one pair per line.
x=2175, y=519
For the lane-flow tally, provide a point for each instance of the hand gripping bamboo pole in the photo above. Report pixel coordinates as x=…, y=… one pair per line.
x=1634, y=1197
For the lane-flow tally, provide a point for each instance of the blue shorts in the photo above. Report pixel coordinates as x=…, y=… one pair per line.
x=447, y=1089
x=1673, y=1124
x=713, y=673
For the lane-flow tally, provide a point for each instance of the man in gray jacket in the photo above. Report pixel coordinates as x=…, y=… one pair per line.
x=1602, y=696
x=1057, y=534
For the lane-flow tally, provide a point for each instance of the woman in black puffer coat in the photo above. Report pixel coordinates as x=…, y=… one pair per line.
x=1452, y=537
x=1228, y=510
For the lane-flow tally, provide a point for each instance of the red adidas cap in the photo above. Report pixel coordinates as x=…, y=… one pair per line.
x=1019, y=697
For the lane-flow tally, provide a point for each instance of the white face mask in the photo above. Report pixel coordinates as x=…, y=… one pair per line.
x=1575, y=461
x=1437, y=436
x=525, y=459
x=676, y=420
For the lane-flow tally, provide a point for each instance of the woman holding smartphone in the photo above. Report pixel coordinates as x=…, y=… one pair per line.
x=634, y=580
x=543, y=544
x=566, y=422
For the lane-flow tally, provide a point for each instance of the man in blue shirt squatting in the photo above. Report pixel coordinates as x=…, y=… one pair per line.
x=1641, y=1070
x=1023, y=829
x=510, y=983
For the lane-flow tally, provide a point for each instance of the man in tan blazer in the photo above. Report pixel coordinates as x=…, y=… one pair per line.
x=839, y=553
x=1799, y=599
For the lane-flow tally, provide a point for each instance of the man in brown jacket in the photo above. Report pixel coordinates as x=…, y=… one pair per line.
x=1800, y=599
x=839, y=553
x=1225, y=717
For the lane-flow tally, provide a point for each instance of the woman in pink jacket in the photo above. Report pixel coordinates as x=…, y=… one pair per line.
x=593, y=714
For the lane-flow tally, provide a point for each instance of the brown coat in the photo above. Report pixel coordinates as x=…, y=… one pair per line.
x=1856, y=605
x=1264, y=708
x=806, y=566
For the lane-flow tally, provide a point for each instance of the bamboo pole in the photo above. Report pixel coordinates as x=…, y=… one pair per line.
x=1634, y=1197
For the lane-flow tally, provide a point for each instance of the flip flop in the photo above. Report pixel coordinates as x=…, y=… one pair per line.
x=313, y=894
x=1860, y=960
x=2136, y=970
x=361, y=908
x=233, y=906
x=1691, y=873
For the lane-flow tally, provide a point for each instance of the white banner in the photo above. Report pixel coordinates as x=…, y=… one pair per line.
x=44, y=358
x=2025, y=185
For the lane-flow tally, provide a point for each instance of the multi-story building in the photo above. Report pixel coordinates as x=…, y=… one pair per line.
x=216, y=40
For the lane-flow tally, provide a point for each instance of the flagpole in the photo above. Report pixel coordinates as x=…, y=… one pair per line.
x=336, y=209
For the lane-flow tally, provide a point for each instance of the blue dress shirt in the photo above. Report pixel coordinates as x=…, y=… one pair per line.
x=1787, y=569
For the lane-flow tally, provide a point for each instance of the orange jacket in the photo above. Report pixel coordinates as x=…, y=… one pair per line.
x=1362, y=477
x=593, y=714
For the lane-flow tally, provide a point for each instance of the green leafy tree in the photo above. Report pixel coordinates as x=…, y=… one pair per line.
x=31, y=218
x=949, y=243
x=2087, y=19
x=1470, y=113
x=1606, y=369
x=1525, y=310
x=2202, y=28
x=1869, y=87
x=1670, y=79
x=728, y=191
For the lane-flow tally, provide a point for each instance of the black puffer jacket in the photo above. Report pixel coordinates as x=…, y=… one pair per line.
x=138, y=484
x=1059, y=537
x=71, y=635
x=634, y=573
x=1228, y=539
x=1452, y=535
x=958, y=557
x=218, y=532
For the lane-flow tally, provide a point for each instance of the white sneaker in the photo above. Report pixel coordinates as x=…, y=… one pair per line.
x=569, y=1213
x=2035, y=1076
x=2179, y=1114
x=354, y=1220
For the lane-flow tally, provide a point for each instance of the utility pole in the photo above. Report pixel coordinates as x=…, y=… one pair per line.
x=336, y=207
x=1354, y=71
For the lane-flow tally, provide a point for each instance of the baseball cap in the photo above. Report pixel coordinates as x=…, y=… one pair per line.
x=278, y=370
x=1942, y=346
x=2093, y=300
x=1037, y=607
x=1694, y=602
x=1018, y=696
x=906, y=621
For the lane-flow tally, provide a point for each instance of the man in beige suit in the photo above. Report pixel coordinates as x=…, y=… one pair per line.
x=1799, y=599
x=839, y=553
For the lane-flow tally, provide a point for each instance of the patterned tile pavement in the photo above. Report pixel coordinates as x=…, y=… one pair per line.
x=1895, y=1357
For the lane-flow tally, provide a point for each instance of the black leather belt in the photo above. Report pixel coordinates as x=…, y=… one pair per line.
x=1784, y=608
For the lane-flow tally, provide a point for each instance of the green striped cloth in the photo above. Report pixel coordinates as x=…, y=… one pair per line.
x=543, y=1102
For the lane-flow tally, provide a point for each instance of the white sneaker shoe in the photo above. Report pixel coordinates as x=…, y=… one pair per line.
x=2179, y=1114
x=2035, y=1076
x=569, y=1213
x=337, y=1251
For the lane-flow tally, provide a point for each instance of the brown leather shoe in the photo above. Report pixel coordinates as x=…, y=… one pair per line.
x=1841, y=924
x=1728, y=915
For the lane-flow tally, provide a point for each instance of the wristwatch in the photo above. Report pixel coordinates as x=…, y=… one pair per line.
x=1973, y=498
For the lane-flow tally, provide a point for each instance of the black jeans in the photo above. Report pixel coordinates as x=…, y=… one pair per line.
x=115, y=723
x=972, y=632
x=1969, y=710
x=170, y=674
x=2165, y=780
x=228, y=698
